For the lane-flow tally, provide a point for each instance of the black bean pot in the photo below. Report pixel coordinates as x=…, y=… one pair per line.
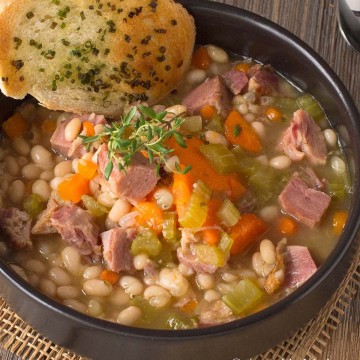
x=247, y=34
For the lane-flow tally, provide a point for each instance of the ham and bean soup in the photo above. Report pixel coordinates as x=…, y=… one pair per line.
x=207, y=207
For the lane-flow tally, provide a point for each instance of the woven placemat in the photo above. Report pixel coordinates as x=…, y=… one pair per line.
x=307, y=343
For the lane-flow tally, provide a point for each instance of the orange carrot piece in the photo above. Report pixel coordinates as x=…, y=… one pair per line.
x=246, y=231
x=239, y=132
x=189, y=307
x=208, y=112
x=273, y=114
x=244, y=67
x=339, y=221
x=287, y=225
x=201, y=58
x=150, y=215
x=211, y=236
x=73, y=188
x=48, y=126
x=87, y=169
x=213, y=207
x=182, y=189
x=89, y=128
x=15, y=126
x=110, y=276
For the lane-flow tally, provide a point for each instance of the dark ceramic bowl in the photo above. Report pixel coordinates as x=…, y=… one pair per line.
x=244, y=33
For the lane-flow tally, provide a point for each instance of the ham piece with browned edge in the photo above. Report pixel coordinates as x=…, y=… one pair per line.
x=263, y=81
x=235, y=80
x=43, y=225
x=305, y=204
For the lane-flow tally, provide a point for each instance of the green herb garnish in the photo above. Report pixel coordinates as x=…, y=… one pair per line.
x=148, y=132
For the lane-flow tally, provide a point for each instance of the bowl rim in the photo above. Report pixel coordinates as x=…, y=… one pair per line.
x=346, y=241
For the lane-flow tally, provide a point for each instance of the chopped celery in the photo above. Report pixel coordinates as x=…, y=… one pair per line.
x=197, y=208
x=211, y=255
x=165, y=256
x=245, y=296
x=228, y=213
x=170, y=230
x=148, y=312
x=215, y=124
x=192, y=124
x=33, y=205
x=287, y=106
x=146, y=242
x=94, y=207
x=221, y=159
x=225, y=243
x=176, y=322
x=311, y=106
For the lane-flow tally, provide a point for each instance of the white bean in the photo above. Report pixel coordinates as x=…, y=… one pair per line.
x=95, y=308
x=131, y=285
x=228, y=277
x=47, y=175
x=21, y=146
x=72, y=260
x=129, y=316
x=67, y=292
x=31, y=171
x=280, y=162
x=259, y=129
x=255, y=109
x=185, y=270
x=174, y=281
x=72, y=129
x=97, y=287
x=213, y=137
x=119, y=297
x=211, y=295
x=338, y=165
x=47, y=287
x=56, y=181
x=238, y=99
x=35, y=266
x=75, y=164
x=250, y=96
x=34, y=280
x=196, y=76
x=170, y=166
x=42, y=157
x=205, y=281
x=105, y=199
x=267, y=251
x=164, y=198
x=225, y=288
x=249, y=117
x=92, y=272
x=157, y=296
x=42, y=188
x=63, y=168
x=140, y=261
x=59, y=276
x=243, y=109
x=76, y=305
x=260, y=266
x=16, y=191
x=22, y=161
x=269, y=213
x=330, y=137
x=12, y=166
x=119, y=209
x=217, y=54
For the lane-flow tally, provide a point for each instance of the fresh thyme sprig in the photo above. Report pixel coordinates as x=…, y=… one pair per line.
x=147, y=133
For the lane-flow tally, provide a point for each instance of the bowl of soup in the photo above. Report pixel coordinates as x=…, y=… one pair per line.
x=215, y=225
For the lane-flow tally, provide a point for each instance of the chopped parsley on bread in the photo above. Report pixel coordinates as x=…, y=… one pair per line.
x=97, y=56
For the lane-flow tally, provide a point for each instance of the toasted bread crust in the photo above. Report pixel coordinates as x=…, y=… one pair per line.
x=93, y=55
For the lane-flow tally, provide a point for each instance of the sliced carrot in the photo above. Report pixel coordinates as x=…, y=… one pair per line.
x=201, y=58
x=243, y=67
x=246, y=231
x=339, y=221
x=239, y=132
x=208, y=112
x=15, y=126
x=150, y=215
x=73, y=188
x=211, y=236
x=287, y=225
x=89, y=128
x=213, y=207
x=189, y=307
x=87, y=169
x=182, y=189
x=48, y=126
x=273, y=114
x=110, y=276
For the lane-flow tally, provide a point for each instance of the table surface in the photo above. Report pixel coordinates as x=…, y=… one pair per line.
x=315, y=22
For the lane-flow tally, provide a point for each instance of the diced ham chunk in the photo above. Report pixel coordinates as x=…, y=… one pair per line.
x=235, y=80
x=189, y=259
x=304, y=138
x=138, y=181
x=43, y=225
x=211, y=92
x=78, y=228
x=263, y=81
x=15, y=226
x=116, y=249
x=305, y=204
x=299, y=266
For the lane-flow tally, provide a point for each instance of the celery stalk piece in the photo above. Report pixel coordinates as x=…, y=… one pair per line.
x=225, y=243
x=215, y=124
x=245, y=296
x=311, y=106
x=197, y=208
x=192, y=124
x=146, y=242
x=211, y=255
x=221, y=159
x=177, y=322
x=287, y=106
x=33, y=205
x=170, y=230
x=228, y=213
x=93, y=206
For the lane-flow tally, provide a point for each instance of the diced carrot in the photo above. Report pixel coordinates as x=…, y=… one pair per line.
x=287, y=225
x=273, y=114
x=239, y=132
x=150, y=215
x=144, y=153
x=87, y=169
x=211, y=236
x=201, y=58
x=213, y=207
x=182, y=189
x=208, y=112
x=110, y=276
x=15, y=126
x=189, y=307
x=246, y=231
x=48, y=126
x=89, y=128
x=244, y=67
x=339, y=221
x=73, y=188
